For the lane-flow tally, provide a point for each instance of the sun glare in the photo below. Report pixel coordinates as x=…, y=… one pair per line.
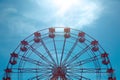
x=64, y=5
x=78, y=13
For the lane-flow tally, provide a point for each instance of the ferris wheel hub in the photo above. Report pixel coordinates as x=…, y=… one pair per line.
x=59, y=72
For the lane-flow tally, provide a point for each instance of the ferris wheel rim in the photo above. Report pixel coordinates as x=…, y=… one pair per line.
x=66, y=36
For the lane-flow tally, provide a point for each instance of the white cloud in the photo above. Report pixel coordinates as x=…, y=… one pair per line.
x=4, y=13
x=83, y=13
x=59, y=13
x=15, y=23
x=10, y=10
x=63, y=6
x=22, y=28
x=70, y=12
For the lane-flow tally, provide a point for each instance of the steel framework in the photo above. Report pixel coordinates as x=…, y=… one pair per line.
x=59, y=54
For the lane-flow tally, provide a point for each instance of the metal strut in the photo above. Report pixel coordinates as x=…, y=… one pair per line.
x=78, y=55
x=48, y=52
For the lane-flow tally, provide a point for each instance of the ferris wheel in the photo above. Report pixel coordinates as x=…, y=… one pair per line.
x=58, y=53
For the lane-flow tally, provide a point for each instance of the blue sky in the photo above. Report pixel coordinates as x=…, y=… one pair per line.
x=98, y=18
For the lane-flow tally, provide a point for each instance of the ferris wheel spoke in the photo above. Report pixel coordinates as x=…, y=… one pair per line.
x=45, y=76
x=88, y=60
x=88, y=70
x=55, y=51
x=30, y=70
x=62, y=51
x=68, y=77
x=30, y=60
x=78, y=55
x=35, y=77
x=78, y=76
x=41, y=76
x=70, y=51
x=48, y=52
x=41, y=56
